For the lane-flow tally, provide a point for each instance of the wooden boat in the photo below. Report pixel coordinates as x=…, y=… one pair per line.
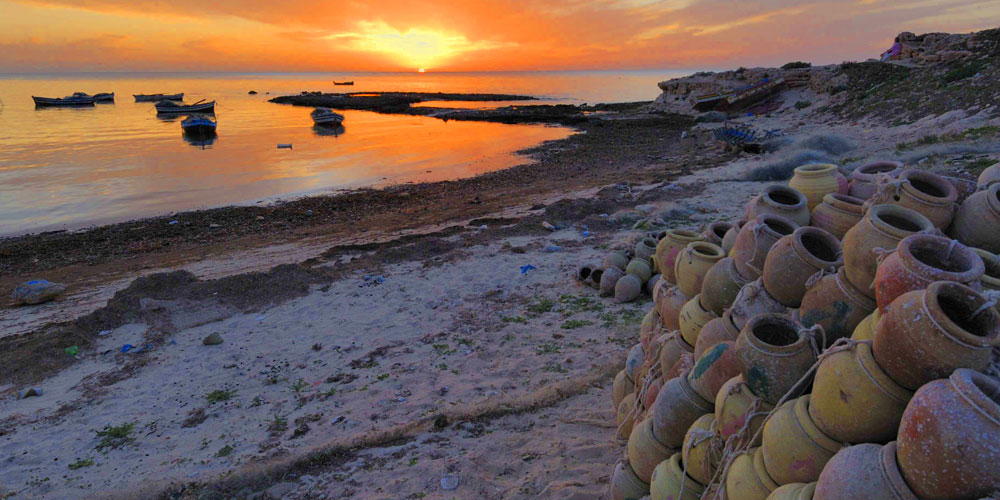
x=77, y=99
x=343, y=83
x=199, y=126
x=104, y=97
x=170, y=107
x=158, y=97
x=325, y=116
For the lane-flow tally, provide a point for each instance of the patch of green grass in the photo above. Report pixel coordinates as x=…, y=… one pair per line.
x=225, y=451
x=977, y=167
x=299, y=385
x=515, y=319
x=572, y=304
x=256, y=401
x=79, y=464
x=575, y=323
x=978, y=133
x=412, y=462
x=963, y=72
x=115, y=436
x=554, y=367
x=444, y=349
x=382, y=376
x=442, y=366
x=219, y=396
x=277, y=424
x=802, y=104
x=547, y=348
x=541, y=306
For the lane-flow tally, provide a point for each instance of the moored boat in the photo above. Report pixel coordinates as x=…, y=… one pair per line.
x=158, y=97
x=170, y=107
x=104, y=97
x=199, y=125
x=343, y=83
x=325, y=116
x=77, y=99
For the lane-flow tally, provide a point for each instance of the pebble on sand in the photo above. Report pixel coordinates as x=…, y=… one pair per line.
x=213, y=339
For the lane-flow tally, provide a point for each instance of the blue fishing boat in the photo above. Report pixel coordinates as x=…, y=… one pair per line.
x=199, y=126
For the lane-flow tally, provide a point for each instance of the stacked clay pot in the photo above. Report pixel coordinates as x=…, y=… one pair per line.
x=622, y=386
x=949, y=438
x=882, y=228
x=713, y=369
x=629, y=287
x=927, y=334
x=990, y=281
x=730, y=238
x=921, y=259
x=794, y=448
x=670, y=482
x=753, y=300
x=817, y=180
x=675, y=409
x=755, y=240
x=734, y=405
x=780, y=200
x=793, y=491
x=796, y=258
x=866, y=179
x=645, y=249
x=715, y=331
x=693, y=263
x=721, y=285
x=866, y=329
x=838, y=213
x=668, y=248
x=748, y=477
x=650, y=327
x=670, y=309
x=775, y=353
x=716, y=231
x=692, y=318
x=609, y=280
x=645, y=452
x=625, y=485
x=861, y=472
x=625, y=416
x=702, y=449
x=673, y=349
x=928, y=194
x=989, y=176
x=836, y=305
x=977, y=220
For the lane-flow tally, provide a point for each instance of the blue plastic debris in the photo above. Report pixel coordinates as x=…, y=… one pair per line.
x=525, y=269
x=552, y=249
x=173, y=222
x=126, y=347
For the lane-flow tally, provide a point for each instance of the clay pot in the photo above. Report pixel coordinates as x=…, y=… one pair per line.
x=836, y=305
x=594, y=281
x=639, y=268
x=854, y=400
x=693, y=317
x=797, y=257
x=636, y=357
x=866, y=179
x=990, y=280
x=926, y=334
x=793, y=491
x=780, y=200
x=627, y=288
x=617, y=259
x=748, y=478
x=989, y=176
x=838, y=213
x=774, y=353
x=795, y=450
x=977, y=220
x=650, y=285
x=964, y=187
x=866, y=329
x=668, y=248
x=721, y=285
x=692, y=263
x=683, y=365
x=653, y=390
x=715, y=331
x=645, y=249
x=882, y=227
x=817, y=180
x=625, y=485
x=921, y=259
x=949, y=439
x=645, y=452
x=730, y=238
x=702, y=449
x=625, y=416
x=649, y=328
x=583, y=272
x=752, y=300
x=716, y=231
x=673, y=348
x=863, y=472
x=670, y=309
x=608, y=281
x=755, y=239
x=675, y=409
x=622, y=386
x=659, y=290
x=734, y=403
x=711, y=371
x=923, y=192
x=670, y=482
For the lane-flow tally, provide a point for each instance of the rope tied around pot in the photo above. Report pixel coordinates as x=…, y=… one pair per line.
x=951, y=248
x=990, y=303
x=756, y=229
x=811, y=333
x=818, y=275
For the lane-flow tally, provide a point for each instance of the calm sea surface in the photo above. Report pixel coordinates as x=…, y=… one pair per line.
x=71, y=168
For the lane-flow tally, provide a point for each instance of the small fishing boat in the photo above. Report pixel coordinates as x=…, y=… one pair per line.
x=104, y=97
x=158, y=97
x=343, y=83
x=199, y=126
x=170, y=107
x=77, y=99
x=325, y=116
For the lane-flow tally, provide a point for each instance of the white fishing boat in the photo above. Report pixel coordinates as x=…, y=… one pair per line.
x=77, y=99
x=325, y=116
x=170, y=107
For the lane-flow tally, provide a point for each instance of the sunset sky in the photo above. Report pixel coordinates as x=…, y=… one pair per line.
x=459, y=35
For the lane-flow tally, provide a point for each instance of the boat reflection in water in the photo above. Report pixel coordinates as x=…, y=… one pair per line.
x=328, y=130
x=200, y=141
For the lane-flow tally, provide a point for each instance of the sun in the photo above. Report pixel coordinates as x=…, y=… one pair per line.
x=421, y=70
x=414, y=47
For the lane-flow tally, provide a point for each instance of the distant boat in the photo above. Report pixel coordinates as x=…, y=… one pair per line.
x=170, y=107
x=325, y=116
x=343, y=83
x=77, y=99
x=104, y=97
x=199, y=126
x=158, y=97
